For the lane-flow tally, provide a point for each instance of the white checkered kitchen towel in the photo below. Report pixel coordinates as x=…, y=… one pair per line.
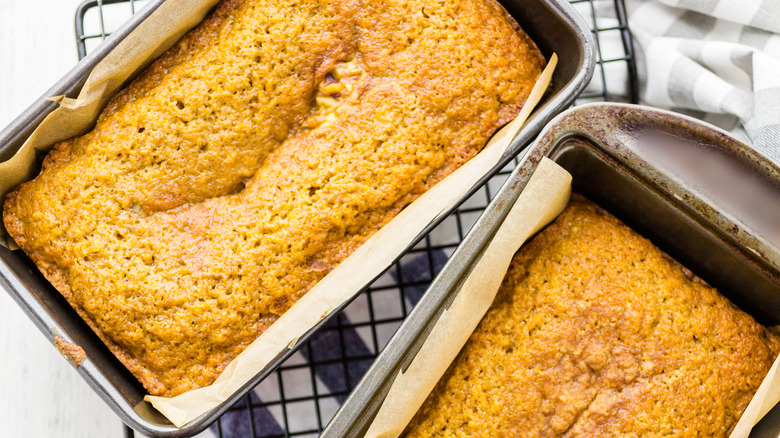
x=718, y=60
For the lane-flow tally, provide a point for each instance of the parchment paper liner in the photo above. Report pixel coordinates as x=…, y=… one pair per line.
x=151, y=38
x=548, y=191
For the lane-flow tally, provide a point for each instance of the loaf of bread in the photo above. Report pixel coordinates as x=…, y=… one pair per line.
x=252, y=158
x=595, y=332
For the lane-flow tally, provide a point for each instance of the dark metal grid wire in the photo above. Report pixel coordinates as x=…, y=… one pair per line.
x=387, y=301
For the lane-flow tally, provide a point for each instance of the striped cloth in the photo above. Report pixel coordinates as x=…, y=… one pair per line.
x=718, y=60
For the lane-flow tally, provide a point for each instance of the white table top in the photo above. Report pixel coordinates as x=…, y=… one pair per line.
x=42, y=395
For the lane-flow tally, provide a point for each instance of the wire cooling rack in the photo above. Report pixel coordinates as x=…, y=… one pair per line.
x=299, y=399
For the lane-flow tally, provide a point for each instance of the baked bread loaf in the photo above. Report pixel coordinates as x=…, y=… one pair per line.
x=595, y=332
x=252, y=158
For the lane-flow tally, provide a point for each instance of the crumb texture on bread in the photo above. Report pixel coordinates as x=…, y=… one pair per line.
x=252, y=158
x=595, y=333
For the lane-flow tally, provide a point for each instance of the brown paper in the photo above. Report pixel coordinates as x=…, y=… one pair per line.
x=543, y=198
x=351, y=275
x=151, y=38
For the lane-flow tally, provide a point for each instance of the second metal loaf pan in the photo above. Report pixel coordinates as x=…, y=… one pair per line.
x=670, y=178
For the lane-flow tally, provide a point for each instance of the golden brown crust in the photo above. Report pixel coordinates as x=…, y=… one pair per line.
x=74, y=353
x=595, y=332
x=251, y=158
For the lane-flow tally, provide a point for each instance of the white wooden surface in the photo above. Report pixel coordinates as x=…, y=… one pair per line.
x=41, y=395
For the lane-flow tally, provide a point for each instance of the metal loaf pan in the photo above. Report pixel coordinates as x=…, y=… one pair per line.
x=696, y=193
x=552, y=24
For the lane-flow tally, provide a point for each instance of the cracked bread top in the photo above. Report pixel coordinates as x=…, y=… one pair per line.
x=595, y=332
x=253, y=157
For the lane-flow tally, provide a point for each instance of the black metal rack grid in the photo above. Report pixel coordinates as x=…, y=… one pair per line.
x=299, y=399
